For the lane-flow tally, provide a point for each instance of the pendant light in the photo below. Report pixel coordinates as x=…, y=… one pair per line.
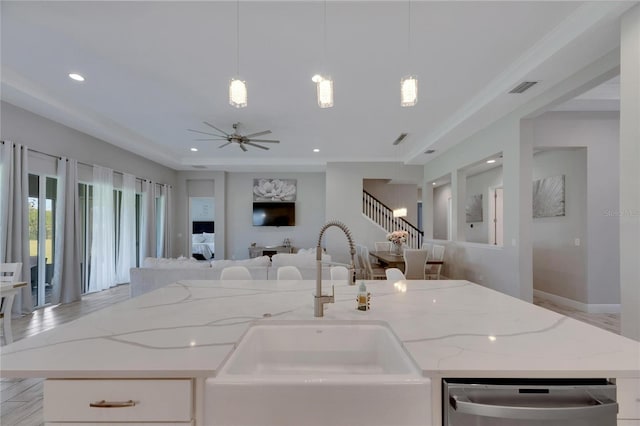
x=409, y=83
x=324, y=83
x=237, y=87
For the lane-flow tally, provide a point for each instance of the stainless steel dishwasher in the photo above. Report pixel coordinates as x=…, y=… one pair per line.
x=528, y=402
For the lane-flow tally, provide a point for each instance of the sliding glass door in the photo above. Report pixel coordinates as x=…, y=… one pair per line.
x=42, y=218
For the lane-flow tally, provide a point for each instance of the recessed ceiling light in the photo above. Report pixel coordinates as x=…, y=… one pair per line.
x=194, y=149
x=434, y=184
x=316, y=150
x=76, y=77
x=316, y=78
x=491, y=161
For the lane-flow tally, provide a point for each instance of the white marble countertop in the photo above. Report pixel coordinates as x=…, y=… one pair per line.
x=450, y=328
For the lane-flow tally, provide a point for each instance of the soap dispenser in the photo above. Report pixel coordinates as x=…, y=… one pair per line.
x=363, y=297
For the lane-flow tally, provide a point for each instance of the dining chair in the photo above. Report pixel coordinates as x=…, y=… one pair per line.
x=432, y=272
x=383, y=245
x=373, y=273
x=415, y=262
x=428, y=247
x=394, y=274
x=9, y=273
x=289, y=272
x=235, y=273
x=339, y=273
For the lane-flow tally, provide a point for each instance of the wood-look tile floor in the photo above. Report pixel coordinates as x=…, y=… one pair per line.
x=21, y=399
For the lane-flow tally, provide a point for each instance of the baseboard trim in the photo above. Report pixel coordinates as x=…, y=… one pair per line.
x=592, y=308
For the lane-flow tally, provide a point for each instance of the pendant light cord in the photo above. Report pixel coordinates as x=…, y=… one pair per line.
x=324, y=35
x=238, y=38
x=409, y=33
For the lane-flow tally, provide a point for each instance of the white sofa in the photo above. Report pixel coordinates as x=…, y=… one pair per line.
x=156, y=273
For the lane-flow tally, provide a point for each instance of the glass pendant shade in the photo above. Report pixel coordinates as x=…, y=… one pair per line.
x=408, y=91
x=237, y=93
x=325, y=92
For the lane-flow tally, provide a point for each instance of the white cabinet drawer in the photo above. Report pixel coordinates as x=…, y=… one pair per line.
x=153, y=400
x=119, y=424
x=628, y=396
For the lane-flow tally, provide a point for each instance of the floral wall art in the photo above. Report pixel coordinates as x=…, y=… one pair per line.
x=474, y=208
x=274, y=189
x=548, y=197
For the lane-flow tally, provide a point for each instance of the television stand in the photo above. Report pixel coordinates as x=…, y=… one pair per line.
x=268, y=251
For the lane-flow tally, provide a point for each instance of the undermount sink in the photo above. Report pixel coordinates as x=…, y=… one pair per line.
x=318, y=373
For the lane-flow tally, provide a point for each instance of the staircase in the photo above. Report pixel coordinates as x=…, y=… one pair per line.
x=378, y=212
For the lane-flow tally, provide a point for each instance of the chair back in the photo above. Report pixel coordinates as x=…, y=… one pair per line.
x=428, y=247
x=438, y=252
x=10, y=272
x=339, y=273
x=394, y=274
x=289, y=273
x=415, y=261
x=383, y=245
x=235, y=273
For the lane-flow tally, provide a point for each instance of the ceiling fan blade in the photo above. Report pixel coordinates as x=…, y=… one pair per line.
x=263, y=140
x=242, y=147
x=224, y=144
x=221, y=131
x=266, y=132
x=212, y=139
x=257, y=146
x=205, y=133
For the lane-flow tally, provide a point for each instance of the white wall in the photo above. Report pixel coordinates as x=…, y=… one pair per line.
x=482, y=183
x=441, y=195
x=310, y=213
x=344, y=201
x=41, y=134
x=559, y=266
x=599, y=133
x=395, y=196
x=629, y=162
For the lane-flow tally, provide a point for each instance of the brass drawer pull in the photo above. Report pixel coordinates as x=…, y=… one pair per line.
x=112, y=404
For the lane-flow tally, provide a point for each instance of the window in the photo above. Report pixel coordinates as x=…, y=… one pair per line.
x=42, y=216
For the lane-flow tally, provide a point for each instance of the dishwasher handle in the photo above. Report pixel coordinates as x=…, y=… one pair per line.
x=603, y=407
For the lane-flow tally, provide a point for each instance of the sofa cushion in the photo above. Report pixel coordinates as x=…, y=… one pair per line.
x=256, y=261
x=183, y=262
x=301, y=260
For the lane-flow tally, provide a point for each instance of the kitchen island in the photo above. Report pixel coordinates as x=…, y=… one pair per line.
x=182, y=334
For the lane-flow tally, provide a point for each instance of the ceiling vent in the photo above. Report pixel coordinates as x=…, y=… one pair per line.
x=430, y=151
x=525, y=85
x=195, y=166
x=400, y=138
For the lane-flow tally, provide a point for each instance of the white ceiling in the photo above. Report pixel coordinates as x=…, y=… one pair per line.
x=154, y=69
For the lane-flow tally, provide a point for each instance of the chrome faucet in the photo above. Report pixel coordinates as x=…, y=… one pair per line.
x=320, y=299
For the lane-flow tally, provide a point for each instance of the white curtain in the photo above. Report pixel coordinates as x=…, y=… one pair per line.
x=164, y=222
x=148, y=221
x=127, y=236
x=102, y=272
x=66, y=282
x=14, y=216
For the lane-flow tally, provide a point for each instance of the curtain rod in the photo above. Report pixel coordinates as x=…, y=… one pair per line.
x=85, y=164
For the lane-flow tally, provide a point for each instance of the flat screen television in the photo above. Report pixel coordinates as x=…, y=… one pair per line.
x=274, y=214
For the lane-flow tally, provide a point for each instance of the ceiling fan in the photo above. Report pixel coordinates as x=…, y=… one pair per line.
x=235, y=137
